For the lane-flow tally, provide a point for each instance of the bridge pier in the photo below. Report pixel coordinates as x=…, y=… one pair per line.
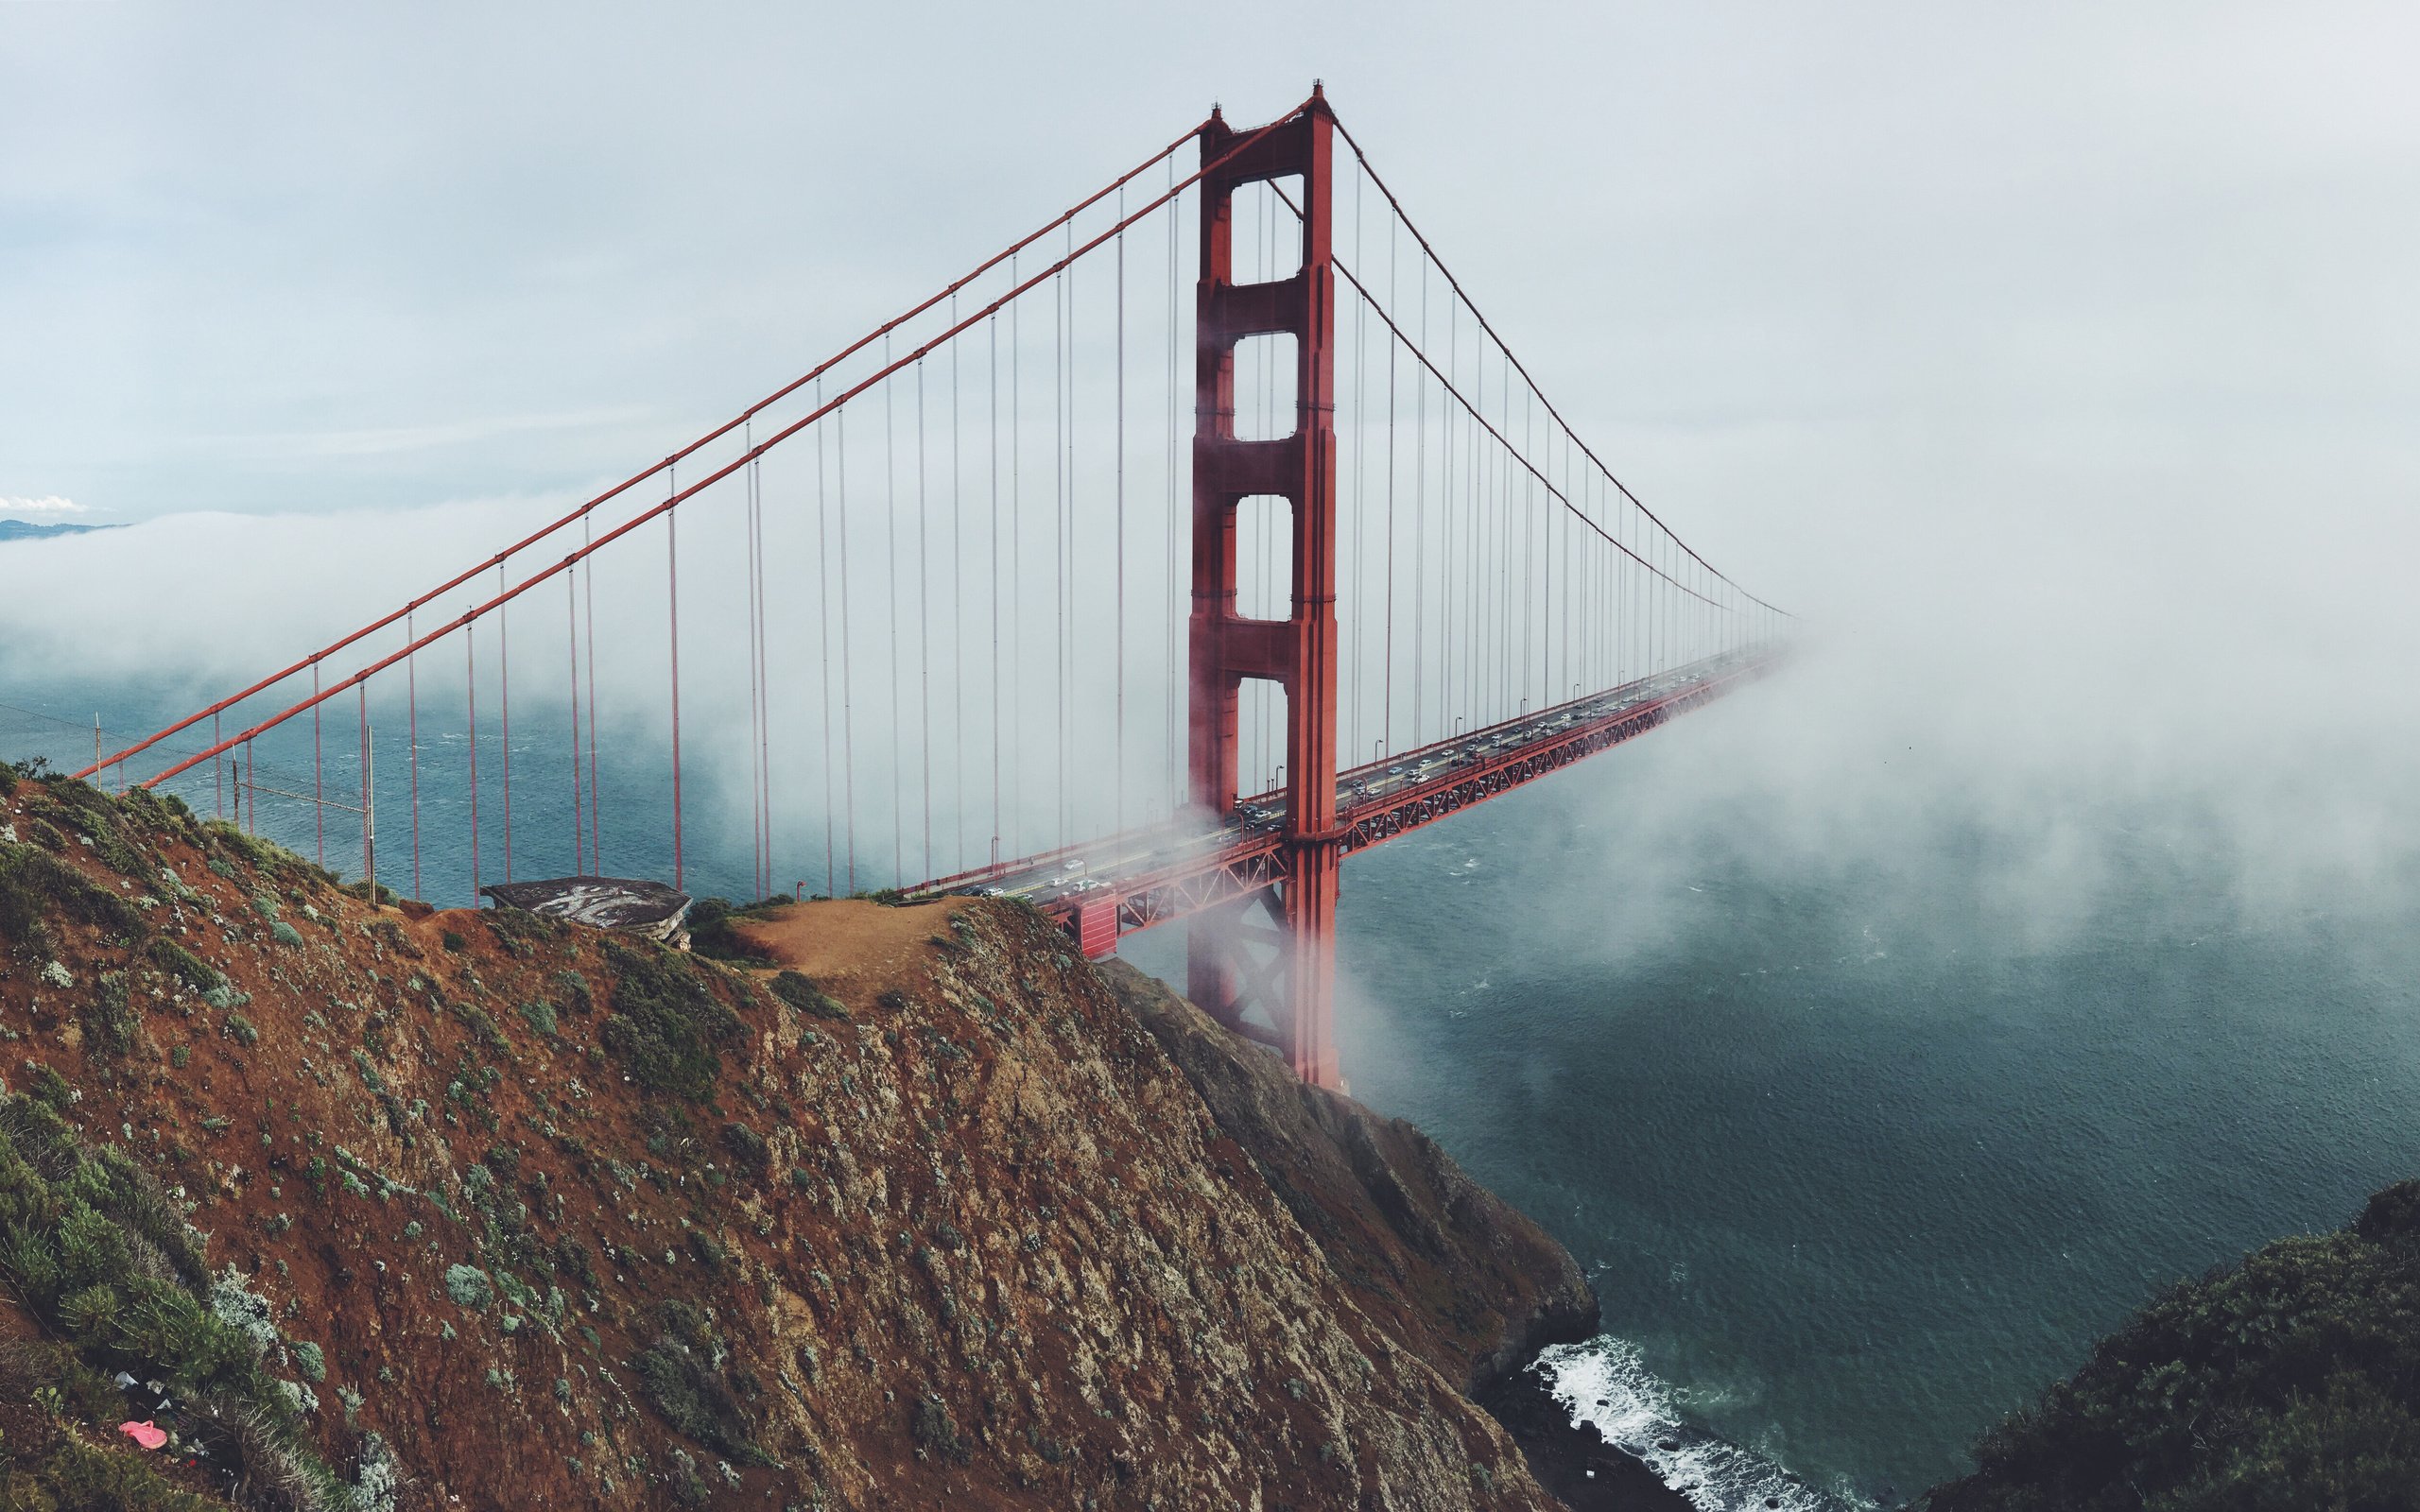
x=1298, y=652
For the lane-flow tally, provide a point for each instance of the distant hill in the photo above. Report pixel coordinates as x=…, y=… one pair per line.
x=2291, y=1378
x=27, y=530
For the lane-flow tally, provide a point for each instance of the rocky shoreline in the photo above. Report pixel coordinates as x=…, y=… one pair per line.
x=1572, y=1460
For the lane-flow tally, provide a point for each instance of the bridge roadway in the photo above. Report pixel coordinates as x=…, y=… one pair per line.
x=1165, y=872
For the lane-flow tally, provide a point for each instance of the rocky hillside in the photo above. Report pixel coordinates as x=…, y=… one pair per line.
x=2288, y=1381
x=413, y=1209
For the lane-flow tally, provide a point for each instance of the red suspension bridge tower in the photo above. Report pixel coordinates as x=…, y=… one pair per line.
x=1292, y=973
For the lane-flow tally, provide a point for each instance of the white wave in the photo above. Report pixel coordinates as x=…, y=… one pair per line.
x=1606, y=1385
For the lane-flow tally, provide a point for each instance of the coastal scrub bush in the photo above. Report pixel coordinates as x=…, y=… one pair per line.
x=665, y=1024
x=747, y=1147
x=711, y=934
x=936, y=1431
x=2291, y=1378
x=107, y=1019
x=577, y=1000
x=802, y=993
x=92, y=1247
x=34, y=884
x=693, y=1398
x=470, y=1287
x=182, y=963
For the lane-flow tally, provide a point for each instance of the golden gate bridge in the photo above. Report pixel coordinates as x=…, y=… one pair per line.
x=1018, y=621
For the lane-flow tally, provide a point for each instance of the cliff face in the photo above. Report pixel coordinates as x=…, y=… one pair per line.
x=532, y=1217
x=1430, y=1257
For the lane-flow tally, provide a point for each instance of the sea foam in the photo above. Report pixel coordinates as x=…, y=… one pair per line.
x=1606, y=1385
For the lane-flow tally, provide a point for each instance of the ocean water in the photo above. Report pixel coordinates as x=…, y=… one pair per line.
x=1862, y=1138
x=1862, y=1149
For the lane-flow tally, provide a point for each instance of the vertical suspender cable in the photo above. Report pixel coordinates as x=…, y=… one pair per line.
x=369, y=861
x=1177, y=521
x=992, y=327
x=756, y=710
x=1420, y=523
x=319, y=776
x=672, y=619
x=890, y=528
x=1361, y=363
x=504, y=700
x=956, y=610
x=1016, y=569
x=596, y=792
x=759, y=809
x=925, y=618
x=1387, y=691
x=1063, y=546
x=848, y=701
x=411, y=754
x=1446, y=645
x=1117, y=636
x=823, y=654
x=579, y=816
x=471, y=673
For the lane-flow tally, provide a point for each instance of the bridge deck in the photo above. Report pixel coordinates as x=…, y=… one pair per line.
x=1160, y=874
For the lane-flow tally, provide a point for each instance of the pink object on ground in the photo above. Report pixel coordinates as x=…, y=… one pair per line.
x=144, y=1434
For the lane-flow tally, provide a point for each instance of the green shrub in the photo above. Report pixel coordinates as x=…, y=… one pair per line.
x=747, y=1147
x=693, y=1398
x=541, y=1016
x=33, y=884
x=470, y=1287
x=936, y=1431
x=802, y=993
x=483, y=1026
x=109, y=1020
x=2289, y=1380
x=666, y=1026
x=577, y=1000
x=711, y=934
x=182, y=963
x=104, y=1261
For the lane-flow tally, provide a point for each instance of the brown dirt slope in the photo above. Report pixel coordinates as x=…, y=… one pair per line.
x=552, y=1219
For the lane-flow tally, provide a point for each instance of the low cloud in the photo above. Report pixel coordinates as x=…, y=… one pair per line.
x=50, y=504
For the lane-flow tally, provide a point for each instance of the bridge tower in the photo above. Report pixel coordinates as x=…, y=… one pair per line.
x=1295, y=981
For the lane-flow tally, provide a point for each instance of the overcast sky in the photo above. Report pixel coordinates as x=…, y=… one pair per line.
x=2089, y=324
